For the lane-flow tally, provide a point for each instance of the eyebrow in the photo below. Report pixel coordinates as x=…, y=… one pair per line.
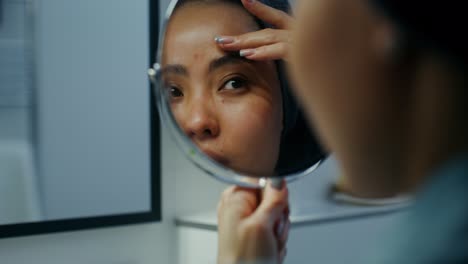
x=228, y=59
x=175, y=69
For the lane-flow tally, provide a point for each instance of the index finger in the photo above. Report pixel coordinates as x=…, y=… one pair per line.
x=271, y=15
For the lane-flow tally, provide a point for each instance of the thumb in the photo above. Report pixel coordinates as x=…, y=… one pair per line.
x=273, y=203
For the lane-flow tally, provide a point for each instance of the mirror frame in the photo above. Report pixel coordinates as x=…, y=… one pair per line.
x=188, y=148
x=154, y=214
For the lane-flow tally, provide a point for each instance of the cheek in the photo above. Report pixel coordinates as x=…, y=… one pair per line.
x=177, y=112
x=252, y=135
x=251, y=126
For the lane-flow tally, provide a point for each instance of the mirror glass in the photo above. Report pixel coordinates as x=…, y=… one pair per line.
x=235, y=118
x=76, y=119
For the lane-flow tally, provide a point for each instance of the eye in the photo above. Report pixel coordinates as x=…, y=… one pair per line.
x=235, y=83
x=174, y=92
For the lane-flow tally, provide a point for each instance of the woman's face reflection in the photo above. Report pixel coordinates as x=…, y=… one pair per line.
x=230, y=107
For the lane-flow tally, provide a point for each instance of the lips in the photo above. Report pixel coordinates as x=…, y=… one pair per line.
x=216, y=157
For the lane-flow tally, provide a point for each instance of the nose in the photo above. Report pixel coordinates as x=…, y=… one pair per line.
x=201, y=122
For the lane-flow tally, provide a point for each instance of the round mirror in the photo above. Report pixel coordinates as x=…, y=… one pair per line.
x=233, y=117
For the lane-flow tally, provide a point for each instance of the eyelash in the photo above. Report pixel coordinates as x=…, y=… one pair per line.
x=244, y=83
x=172, y=88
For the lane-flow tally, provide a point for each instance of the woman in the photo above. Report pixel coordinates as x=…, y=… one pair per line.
x=386, y=88
x=236, y=110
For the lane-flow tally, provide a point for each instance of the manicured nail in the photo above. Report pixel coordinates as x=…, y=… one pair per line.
x=280, y=227
x=224, y=40
x=276, y=183
x=246, y=52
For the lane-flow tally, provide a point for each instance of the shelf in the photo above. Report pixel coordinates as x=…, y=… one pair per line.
x=311, y=216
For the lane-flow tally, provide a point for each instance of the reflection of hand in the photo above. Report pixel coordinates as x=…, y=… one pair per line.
x=266, y=44
x=250, y=230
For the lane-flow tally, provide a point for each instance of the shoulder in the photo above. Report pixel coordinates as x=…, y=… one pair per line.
x=435, y=229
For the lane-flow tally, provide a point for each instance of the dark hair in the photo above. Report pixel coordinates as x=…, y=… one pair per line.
x=299, y=148
x=432, y=25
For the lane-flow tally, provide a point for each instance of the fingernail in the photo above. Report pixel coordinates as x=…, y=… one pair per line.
x=276, y=183
x=246, y=52
x=224, y=40
x=279, y=227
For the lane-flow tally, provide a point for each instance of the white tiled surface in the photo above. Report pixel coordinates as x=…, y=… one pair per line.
x=14, y=54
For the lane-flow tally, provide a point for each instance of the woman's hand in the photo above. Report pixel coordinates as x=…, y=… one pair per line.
x=265, y=44
x=252, y=229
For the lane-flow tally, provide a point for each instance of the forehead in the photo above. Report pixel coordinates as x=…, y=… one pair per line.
x=193, y=27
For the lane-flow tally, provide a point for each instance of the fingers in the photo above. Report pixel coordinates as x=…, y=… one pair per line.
x=253, y=236
x=273, y=204
x=237, y=202
x=266, y=44
x=282, y=239
x=272, y=16
x=275, y=51
x=283, y=236
x=251, y=40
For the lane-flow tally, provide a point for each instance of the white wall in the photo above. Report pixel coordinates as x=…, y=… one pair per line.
x=19, y=201
x=135, y=244
x=152, y=243
x=13, y=75
x=144, y=243
x=14, y=81
x=92, y=107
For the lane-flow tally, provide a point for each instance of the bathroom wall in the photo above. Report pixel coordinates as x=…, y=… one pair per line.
x=134, y=244
x=14, y=89
x=92, y=107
